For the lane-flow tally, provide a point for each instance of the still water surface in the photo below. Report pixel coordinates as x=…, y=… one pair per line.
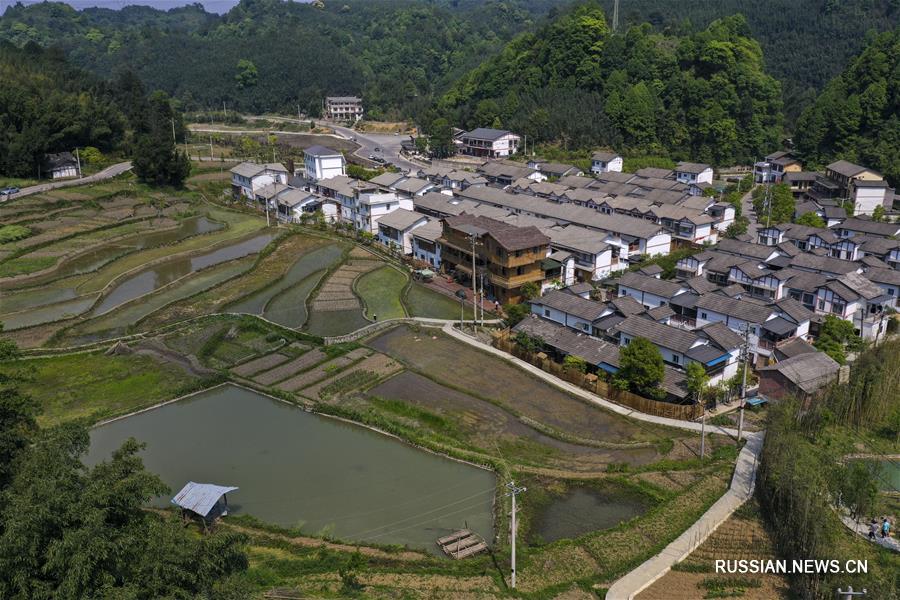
x=299, y=469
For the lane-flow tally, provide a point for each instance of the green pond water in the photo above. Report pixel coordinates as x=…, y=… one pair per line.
x=156, y=277
x=583, y=510
x=889, y=475
x=289, y=308
x=297, y=469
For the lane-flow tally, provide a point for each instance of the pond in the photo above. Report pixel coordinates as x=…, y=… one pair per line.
x=586, y=509
x=297, y=469
x=156, y=277
x=889, y=475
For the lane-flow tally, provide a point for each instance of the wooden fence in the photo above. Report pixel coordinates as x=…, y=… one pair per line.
x=592, y=383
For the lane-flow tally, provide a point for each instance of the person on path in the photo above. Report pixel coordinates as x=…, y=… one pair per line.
x=873, y=529
x=885, y=528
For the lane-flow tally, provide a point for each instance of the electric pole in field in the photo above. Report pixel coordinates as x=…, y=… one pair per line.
x=702, y=432
x=78, y=161
x=513, y=491
x=615, y=19
x=745, y=350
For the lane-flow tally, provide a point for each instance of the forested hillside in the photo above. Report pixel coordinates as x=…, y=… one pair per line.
x=857, y=117
x=703, y=95
x=270, y=55
x=805, y=42
x=46, y=105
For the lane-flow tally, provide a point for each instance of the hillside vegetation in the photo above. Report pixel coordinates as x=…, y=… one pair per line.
x=703, y=95
x=857, y=117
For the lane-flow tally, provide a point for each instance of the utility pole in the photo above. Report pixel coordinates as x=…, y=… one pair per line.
x=746, y=353
x=849, y=594
x=615, y=19
x=210, y=147
x=225, y=110
x=513, y=491
x=174, y=142
x=474, y=282
x=78, y=162
x=702, y=432
x=298, y=114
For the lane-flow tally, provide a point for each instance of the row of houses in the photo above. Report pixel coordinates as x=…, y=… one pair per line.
x=842, y=183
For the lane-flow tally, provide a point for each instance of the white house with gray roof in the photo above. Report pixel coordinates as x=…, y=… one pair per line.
x=696, y=173
x=247, y=178
x=606, y=161
x=649, y=291
x=395, y=228
x=488, y=143
x=323, y=163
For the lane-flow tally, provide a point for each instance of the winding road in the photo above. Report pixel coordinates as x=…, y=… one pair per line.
x=107, y=173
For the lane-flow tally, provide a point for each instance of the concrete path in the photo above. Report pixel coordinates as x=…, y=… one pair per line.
x=862, y=528
x=742, y=483
x=107, y=173
x=741, y=489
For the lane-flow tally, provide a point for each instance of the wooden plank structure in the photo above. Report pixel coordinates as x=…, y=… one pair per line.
x=462, y=544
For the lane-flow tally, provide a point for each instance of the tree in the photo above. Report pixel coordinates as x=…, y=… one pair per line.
x=156, y=159
x=247, y=73
x=878, y=213
x=641, y=368
x=441, y=139
x=574, y=363
x=515, y=313
x=530, y=290
x=836, y=336
x=696, y=380
x=811, y=219
x=529, y=343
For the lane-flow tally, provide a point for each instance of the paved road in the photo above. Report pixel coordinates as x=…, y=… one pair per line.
x=747, y=209
x=107, y=173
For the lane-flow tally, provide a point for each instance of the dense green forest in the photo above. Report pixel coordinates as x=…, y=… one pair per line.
x=270, y=55
x=48, y=106
x=857, y=116
x=805, y=42
x=702, y=95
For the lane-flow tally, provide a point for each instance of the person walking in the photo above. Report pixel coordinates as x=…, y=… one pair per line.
x=885, y=528
x=873, y=528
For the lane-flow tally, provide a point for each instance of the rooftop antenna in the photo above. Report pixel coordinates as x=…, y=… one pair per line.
x=615, y=19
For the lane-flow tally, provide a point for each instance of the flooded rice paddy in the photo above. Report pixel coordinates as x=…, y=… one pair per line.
x=297, y=469
x=163, y=274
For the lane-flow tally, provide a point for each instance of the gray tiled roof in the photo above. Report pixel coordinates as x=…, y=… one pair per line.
x=401, y=219
x=486, y=133
x=589, y=310
x=746, y=311
x=508, y=236
x=627, y=305
x=808, y=371
x=673, y=338
x=722, y=336
x=318, y=150
x=652, y=285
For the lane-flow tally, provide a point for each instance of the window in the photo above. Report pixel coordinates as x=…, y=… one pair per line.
x=546, y=312
x=675, y=358
x=838, y=308
x=703, y=315
x=625, y=341
x=821, y=304
x=585, y=327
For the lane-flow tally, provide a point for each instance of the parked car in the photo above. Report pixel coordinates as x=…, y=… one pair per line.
x=9, y=191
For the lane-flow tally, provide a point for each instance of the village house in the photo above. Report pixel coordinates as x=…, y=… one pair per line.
x=696, y=173
x=247, y=178
x=649, y=291
x=553, y=170
x=775, y=167
x=425, y=243
x=395, y=229
x=488, y=143
x=61, y=165
x=293, y=203
x=605, y=161
x=502, y=172
x=343, y=108
x=370, y=208
x=507, y=255
x=323, y=163
x=803, y=376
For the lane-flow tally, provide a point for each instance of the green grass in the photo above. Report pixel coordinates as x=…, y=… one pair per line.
x=423, y=302
x=26, y=264
x=97, y=386
x=12, y=233
x=381, y=290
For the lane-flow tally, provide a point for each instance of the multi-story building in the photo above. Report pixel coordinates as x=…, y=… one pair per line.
x=604, y=162
x=247, y=178
x=323, y=163
x=774, y=168
x=488, y=143
x=507, y=256
x=343, y=108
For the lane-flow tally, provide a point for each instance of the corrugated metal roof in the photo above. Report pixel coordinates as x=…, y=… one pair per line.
x=200, y=497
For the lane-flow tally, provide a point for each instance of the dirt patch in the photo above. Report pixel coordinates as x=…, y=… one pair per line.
x=488, y=426
x=286, y=370
x=259, y=364
x=449, y=361
x=337, y=292
x=320, y=372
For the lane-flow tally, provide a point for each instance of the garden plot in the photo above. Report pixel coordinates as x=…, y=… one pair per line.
x=257, y=365
x=287, y=369
x=321, y=371
x=379, y=364
x=336, y=294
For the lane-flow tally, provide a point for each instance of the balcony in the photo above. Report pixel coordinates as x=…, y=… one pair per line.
x=514, y=281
